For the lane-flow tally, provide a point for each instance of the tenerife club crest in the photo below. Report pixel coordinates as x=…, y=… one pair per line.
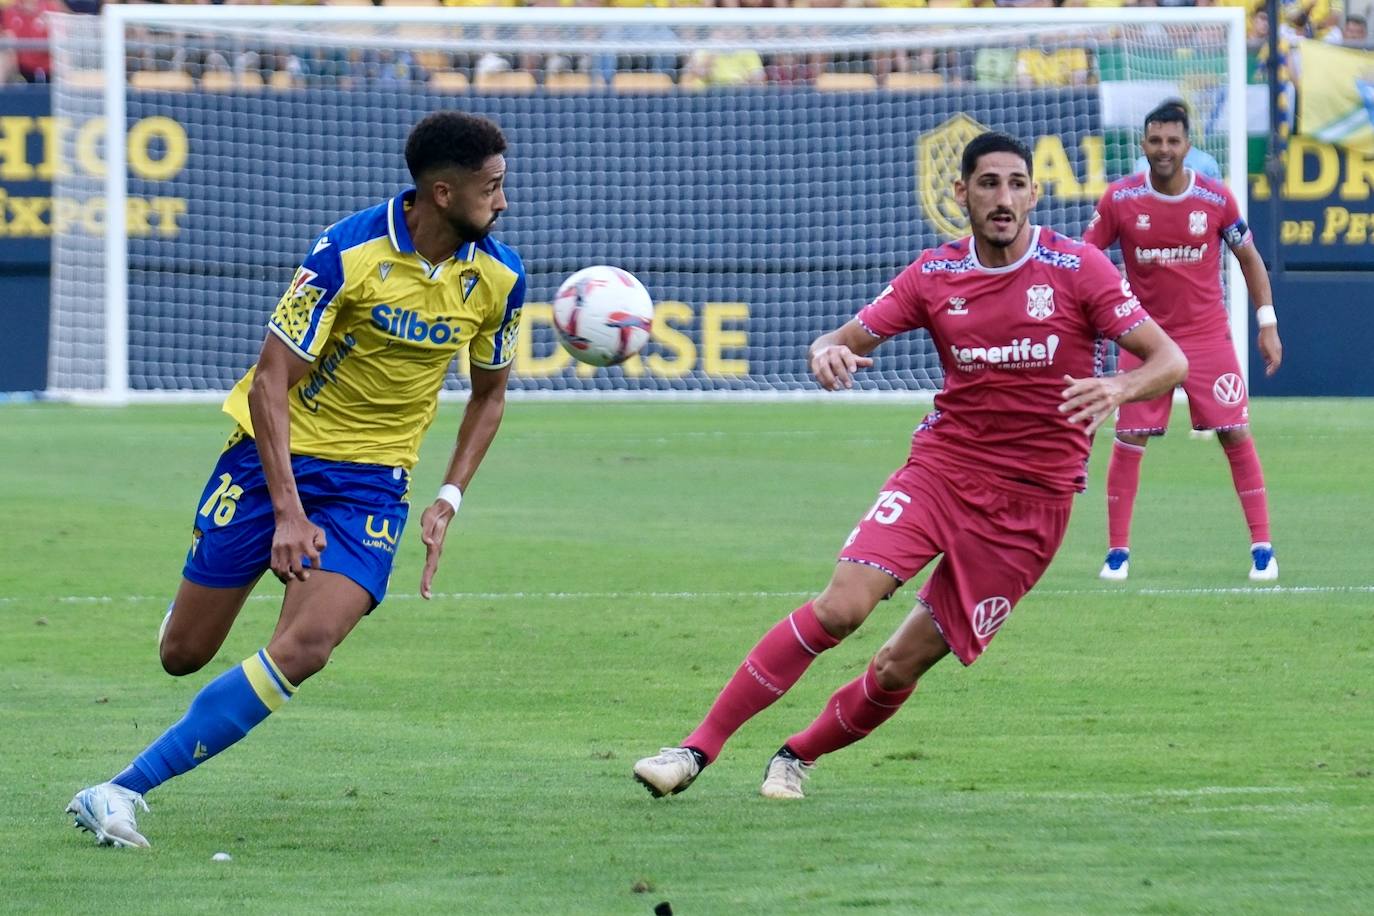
x=1040, y=301
x=937, y=166
x=1197, y=222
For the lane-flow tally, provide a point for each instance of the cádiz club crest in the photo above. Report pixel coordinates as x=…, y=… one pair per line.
x=937, y=166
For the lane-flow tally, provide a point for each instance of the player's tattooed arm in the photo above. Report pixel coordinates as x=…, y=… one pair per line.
x=1092, y=400
x=836, y=356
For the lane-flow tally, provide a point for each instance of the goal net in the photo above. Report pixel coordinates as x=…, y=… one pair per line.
x=765, y=173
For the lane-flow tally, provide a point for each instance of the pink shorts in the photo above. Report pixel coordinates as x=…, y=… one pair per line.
x=997, y=540
x=1217, y=398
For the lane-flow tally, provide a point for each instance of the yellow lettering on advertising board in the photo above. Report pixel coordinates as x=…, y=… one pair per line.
x=673, y=355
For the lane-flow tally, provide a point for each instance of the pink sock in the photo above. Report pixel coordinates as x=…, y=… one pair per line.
x=768, y=671
x=1123, y=480
x=1249, y=480
x=851, y=713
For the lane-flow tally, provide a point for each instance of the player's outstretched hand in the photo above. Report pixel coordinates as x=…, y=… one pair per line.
x=1091, y=400
x=433, y=527
x=834, y=366
x=293, y=541
x=1270, y=348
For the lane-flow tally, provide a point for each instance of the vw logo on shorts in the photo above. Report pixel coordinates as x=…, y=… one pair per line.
x=1229, y=389
x=989, y=614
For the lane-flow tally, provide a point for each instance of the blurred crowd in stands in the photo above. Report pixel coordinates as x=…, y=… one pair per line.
x=24, y=56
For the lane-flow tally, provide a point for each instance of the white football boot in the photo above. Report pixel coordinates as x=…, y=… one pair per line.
x=784, y=775
x=1118, y=565
x=1263, y=565
x=107, y=810
x=669, y=772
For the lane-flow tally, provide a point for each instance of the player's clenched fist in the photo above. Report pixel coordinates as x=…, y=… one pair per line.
x=834, y=366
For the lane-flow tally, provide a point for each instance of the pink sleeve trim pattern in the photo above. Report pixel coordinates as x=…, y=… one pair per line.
x=872, y=333
x=1137, y=324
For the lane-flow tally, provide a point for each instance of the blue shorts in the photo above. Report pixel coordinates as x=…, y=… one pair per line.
x=361, y=507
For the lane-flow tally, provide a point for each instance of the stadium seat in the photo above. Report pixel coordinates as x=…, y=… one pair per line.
x=846, y=82
x=224, y=81
x=569, y=82
x=217, y=81
x=84, y=79
x=448, y=81
x=162, y=80
x=505, y=81
x=908, y=81
x=634, y=81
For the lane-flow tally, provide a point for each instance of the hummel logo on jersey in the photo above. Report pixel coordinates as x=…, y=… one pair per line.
x=321, y=245
x=1018, y=354
x=1040, y=301
x=384, y=269
x=958, y=305
x=1142, y=221
x=200, y=752
x=1197, y=222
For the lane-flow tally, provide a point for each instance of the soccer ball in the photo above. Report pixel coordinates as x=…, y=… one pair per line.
x=603, y=315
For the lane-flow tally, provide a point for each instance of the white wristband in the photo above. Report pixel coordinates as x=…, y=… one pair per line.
x=1265, y=317
x=451, y=495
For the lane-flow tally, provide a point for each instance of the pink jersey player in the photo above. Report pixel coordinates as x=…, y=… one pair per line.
x=1171, y=224
x=1016, y=313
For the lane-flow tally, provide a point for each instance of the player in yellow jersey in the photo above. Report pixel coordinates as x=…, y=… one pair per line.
x=313, y=483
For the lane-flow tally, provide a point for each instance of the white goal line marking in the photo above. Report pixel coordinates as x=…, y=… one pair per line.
x=1274, y=590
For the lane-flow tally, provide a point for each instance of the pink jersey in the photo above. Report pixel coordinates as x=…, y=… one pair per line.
x=1172, y=248
x=1006, y=337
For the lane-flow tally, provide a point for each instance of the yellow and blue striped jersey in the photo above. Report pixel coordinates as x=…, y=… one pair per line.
x=381, y=325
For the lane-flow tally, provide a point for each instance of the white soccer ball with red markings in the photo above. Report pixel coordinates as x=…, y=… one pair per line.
x=603, y=315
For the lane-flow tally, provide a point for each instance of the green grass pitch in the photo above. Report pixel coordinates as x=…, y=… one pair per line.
x=1183, y=743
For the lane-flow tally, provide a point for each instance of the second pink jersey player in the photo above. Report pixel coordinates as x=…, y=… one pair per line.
x=1006, y=337
x=1172, y=247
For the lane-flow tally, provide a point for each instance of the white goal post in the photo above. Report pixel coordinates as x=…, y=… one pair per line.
x=757, y=215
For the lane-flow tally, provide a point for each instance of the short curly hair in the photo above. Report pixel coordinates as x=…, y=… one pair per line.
x=452, y=138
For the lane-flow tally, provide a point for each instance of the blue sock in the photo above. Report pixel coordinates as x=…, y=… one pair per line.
x=224, y=711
